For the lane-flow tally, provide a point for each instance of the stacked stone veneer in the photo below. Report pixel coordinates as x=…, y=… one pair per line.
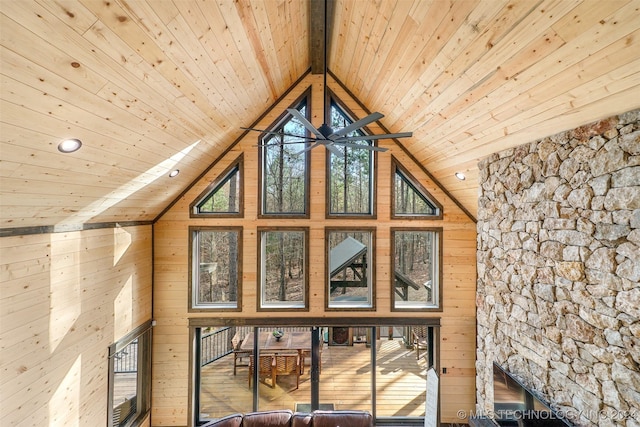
x=558, y=299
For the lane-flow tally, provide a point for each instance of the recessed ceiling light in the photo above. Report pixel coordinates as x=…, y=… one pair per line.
x=460, y=176
x=174, y=173
x=69, y=145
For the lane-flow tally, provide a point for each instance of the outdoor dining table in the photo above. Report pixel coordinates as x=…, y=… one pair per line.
x=290, y=342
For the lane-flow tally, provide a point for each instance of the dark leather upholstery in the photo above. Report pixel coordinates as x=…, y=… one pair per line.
x=286, y=418
x=302, y=419
x=234, y=420
x=281, y=418
x=342, y=419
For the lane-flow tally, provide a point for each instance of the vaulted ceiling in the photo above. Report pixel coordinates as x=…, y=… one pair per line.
x=156, y=85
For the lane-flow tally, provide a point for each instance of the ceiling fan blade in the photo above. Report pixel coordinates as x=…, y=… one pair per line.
x=372, y=137
x=308, y=148
x=278, y=133
x=306, y=123
x=362, y=146
x=332, y=148
x=357, y=125
x=276, y=144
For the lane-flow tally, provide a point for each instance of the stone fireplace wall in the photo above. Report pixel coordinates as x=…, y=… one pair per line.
x=558, y=295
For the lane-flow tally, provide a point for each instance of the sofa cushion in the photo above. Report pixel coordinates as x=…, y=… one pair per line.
x=342, y=419
x=301, y=419
x=278, y=418
x=234, y=420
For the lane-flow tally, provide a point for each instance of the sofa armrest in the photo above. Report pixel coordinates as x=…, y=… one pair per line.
x=234, y=420
x=342, y=419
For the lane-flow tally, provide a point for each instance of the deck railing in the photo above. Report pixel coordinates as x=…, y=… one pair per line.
x=217, y=344
x=214, y=345
x=126, y=360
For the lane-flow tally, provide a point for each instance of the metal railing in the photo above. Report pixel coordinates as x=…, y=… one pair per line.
x=217, y=344
x=126, y=360
x=214, y=345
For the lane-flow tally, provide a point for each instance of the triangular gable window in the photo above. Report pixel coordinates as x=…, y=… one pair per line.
x=410, y=198
x=223, y=198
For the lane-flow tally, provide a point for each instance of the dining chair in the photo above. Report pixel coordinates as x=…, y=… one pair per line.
x=266, y=368
x=239, y=355
x=307, y=354
x=288, y=364
x=419, y=339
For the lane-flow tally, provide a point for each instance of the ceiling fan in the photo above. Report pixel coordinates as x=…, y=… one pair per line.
x=325, y=135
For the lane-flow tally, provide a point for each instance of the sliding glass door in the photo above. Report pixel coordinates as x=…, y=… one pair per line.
x=403, y=356
x=379, y=369
x=221, y=383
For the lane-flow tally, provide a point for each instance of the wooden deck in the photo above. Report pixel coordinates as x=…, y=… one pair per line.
x=345, y=382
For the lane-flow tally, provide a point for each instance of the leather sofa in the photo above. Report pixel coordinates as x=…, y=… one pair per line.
x=287, y=418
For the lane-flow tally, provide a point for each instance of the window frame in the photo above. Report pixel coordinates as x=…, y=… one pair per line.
x=305, y=99
x=143, y=378
x=215, y=185
x=398, y=168
x=330, y=102
x=282, y=305
x=371, y=271
x=438, y=288
x=195, y=306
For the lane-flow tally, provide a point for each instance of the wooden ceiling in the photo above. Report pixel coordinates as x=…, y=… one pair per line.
x=154, y=85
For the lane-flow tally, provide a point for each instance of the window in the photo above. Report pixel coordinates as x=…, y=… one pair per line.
x=409, y=198
x=417, y=267
x=129, y=378
x=283, y=271
x=350, y=255
x=215, y=267
x=350, y=181
x=284, y=165
x=223, y=198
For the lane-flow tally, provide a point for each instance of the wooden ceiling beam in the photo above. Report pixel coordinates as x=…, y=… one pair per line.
x=317, y=33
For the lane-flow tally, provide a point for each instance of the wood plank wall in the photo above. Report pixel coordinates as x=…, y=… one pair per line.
x=171, y=335
x=64, y=298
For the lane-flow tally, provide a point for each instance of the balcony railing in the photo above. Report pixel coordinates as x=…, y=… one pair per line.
x=218, y=343
x=126, y=360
